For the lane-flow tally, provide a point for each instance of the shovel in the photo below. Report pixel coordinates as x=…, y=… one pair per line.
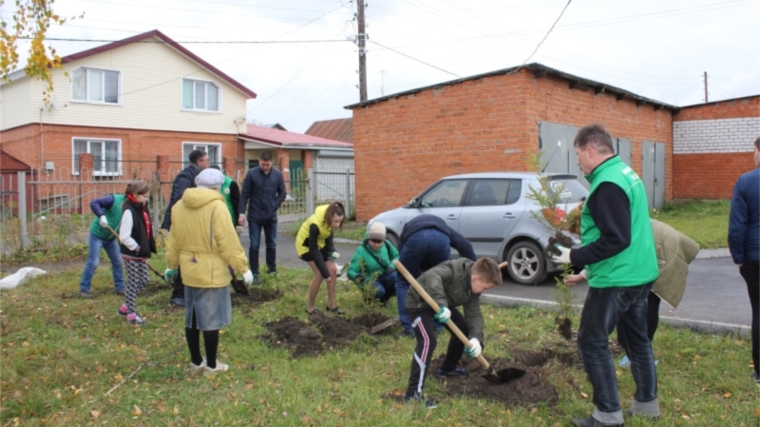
x=500, y=377
x=153, y=269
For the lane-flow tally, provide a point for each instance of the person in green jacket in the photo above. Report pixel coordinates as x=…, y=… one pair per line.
x=107, y=210
x=231, y=192
x=373, y=259
x=618, y=252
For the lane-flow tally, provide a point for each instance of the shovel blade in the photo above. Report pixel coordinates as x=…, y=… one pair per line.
x=504, y=376
x=239, y=287
x=382, y=326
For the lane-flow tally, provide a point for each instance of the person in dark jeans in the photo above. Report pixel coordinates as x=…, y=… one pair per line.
x=263, y=193
x=744, y=244
x=184, y=180
x=425, y=243
x=618, y=252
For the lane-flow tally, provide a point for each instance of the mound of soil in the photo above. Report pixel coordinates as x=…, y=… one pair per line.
x=301, y=339
x=255, y=296
x=531, y=389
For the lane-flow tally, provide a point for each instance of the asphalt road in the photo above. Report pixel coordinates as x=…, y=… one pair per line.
x=715, y=300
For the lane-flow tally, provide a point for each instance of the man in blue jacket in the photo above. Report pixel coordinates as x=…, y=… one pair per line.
x=744, y=243
x=425, y=242
x=263, y=193
x=184, y=180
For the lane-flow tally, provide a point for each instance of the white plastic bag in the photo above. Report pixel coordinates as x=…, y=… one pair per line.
x=20, y=277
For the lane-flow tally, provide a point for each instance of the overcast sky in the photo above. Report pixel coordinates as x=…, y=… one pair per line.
x=654, y=48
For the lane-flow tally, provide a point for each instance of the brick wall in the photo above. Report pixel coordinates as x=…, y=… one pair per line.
x=406, y=143
x=140, y=148
x=713, y=147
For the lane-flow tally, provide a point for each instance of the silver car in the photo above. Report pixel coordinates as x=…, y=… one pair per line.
x=493, y=212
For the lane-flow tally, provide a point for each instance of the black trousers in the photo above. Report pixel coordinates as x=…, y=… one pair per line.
x=178, y=288
x=750, y=271
x=424, y=332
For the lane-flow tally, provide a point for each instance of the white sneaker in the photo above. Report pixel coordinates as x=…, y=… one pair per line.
x=220, y=367
x=196, y=369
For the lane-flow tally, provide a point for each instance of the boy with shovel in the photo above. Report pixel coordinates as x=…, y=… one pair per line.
x=451, y=284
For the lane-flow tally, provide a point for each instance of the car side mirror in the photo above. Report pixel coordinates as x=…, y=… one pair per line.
x=413, y=203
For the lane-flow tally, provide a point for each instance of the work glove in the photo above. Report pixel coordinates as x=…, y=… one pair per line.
x=103, y=221
x=389, y=270
x=563, y=257
x=333, y=256
x=169, y=275
x=248, y=278
x=443, y=315
x=359, y=278
x=474, y=349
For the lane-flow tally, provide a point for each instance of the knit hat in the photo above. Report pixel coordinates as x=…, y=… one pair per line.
x=209, y=178
x=377, y=231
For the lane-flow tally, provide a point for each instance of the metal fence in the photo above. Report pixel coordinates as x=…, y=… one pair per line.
x=42, y=209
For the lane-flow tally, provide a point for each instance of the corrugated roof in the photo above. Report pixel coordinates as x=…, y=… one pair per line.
x=540, y=71
x=283, y=138
x=337, y=129
x=169, y=42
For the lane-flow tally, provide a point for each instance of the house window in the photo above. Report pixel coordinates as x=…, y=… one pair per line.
x=214, y=152
x=94, y=85
x=199, y=95
x=106, y=155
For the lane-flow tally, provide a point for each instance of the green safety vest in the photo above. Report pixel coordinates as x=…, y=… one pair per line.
x=637, y=264
x=113, y=216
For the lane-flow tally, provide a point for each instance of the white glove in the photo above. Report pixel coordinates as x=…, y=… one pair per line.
x=444, y=315
x=564, y=257
x=103, y=221
x=474, y=350
x=248, y=277
x=334, y=255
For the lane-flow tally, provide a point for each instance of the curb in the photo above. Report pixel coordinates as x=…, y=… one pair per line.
x=346, y=241
x=701, y=326
x=714, y=253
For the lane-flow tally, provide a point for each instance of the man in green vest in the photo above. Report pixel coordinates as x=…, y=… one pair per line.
x=618, y=252
x=231, y=192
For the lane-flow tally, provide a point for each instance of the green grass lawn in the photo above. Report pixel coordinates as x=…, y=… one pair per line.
x=62, y=356
x=705, y=221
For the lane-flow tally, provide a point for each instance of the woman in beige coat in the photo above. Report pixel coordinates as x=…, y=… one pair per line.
x=204, y=244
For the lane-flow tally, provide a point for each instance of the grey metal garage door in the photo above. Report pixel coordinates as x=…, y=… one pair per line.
x=653, y=172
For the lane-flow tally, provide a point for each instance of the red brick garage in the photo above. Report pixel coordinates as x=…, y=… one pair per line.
x=406, y=141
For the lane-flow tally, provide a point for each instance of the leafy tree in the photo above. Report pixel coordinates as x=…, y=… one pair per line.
x=31, y=20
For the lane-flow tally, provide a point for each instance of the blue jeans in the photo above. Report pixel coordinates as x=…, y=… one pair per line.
x=422, y=250
x=93, y=259
x=385, y=286
x=270, y=235
x=604, y=309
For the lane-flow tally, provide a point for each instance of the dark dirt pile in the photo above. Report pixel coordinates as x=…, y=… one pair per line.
x=302, y=338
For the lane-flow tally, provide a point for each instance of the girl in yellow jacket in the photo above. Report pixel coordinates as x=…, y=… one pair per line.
x=204, y=246
x=314, y=244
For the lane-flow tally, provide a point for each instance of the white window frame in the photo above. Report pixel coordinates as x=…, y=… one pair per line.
x=119, y=157
x=203, y=146
x=204, y=110
x=119, y=90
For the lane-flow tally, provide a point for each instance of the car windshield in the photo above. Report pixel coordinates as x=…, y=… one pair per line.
x=572, y=191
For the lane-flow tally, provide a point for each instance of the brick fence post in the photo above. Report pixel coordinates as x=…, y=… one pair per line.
x=283, y=161
x=86, y=172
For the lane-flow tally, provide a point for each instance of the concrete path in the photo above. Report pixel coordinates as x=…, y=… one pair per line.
x=715, y=300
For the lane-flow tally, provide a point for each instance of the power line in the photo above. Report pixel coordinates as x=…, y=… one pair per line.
x=547, y=33
x=194, y=42
x=415, y=59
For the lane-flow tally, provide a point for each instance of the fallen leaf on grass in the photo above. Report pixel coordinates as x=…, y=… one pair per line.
x=727, y=395
x=24, y=344
x=94, y=414
x=585, y=396
x=686, y=417
x=137, y=411
x=118, y=377
x=176, y=410
x=757, y=412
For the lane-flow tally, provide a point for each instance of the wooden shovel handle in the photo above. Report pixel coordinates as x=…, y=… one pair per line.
x=434, y=305
x=153, y=269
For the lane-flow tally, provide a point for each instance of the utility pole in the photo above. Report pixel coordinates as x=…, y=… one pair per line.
x=361, y=39
x=705, y=79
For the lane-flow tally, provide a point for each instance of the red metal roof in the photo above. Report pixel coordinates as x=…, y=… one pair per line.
x=169, y=42
x=338, y=129
x=285, y=138
x=9, y=163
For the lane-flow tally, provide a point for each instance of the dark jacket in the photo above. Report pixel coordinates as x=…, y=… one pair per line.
x=449, y=285
x=184, y=180
x=458, y=242
x=744, y=220
x=139, y=232
x=262, y=194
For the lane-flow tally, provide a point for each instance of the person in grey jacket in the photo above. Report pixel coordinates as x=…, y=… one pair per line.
x=451, y=284
x=263, y=193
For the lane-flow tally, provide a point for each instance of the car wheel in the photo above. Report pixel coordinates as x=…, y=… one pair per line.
x=526, y=263
x=393, y=239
